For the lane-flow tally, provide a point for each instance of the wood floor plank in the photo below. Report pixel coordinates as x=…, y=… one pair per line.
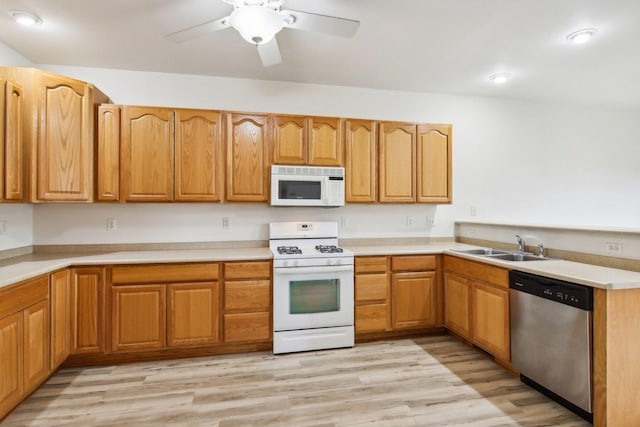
x=429, y=381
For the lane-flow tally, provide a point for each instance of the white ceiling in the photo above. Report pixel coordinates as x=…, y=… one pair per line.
x=448, y=46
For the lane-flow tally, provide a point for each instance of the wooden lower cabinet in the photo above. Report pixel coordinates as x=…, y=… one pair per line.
x=36, y=344
x=477, y=305
x=491, y=320
x=192, y=314
x=247, y=302
x=11, y=362
x=457, y=297
x=87, y=310
x=413, y=297
x=372, y=294
x=60, y=317
x=138, y=317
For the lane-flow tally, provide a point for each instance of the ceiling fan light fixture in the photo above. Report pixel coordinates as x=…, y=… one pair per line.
x=499, y=78
x=256, y=24
x=25, y=18
x=582, y=36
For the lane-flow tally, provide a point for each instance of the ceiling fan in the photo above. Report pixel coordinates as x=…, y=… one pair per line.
x=258, y=22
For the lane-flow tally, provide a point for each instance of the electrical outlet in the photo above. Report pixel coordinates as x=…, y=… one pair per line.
x=226, y=222
x=472, y=211
x=613, y=248
x=472, y=233
x=344, y=222
x=430, y=221
x=409, y=221
x=4, y=227
x=112, y=224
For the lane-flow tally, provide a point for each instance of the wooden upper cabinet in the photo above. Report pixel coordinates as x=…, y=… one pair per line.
x=248, y=156
x=290, y=140
x=14, y=159
x=434, y=163
x=198, y=155
x=146, y=154
x=2, y=134
x=325, y=141
x=361, y=169
x=108, y=155
x=64, y=150
x=397, y=147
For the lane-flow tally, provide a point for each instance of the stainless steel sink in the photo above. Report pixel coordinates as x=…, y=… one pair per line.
x=482, y=251
x=517, y=257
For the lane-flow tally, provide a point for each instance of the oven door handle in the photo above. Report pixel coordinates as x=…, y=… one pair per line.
x=311, y=270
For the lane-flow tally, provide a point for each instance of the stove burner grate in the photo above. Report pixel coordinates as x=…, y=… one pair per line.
x=328, y=249
x=289, y=250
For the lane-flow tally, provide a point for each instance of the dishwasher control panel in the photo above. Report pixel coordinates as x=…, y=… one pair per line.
x=555, y=290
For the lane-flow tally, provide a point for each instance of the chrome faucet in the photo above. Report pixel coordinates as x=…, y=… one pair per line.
x=521, y=245
x=541, y=250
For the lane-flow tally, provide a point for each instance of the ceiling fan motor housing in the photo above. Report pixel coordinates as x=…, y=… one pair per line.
x=256, y=24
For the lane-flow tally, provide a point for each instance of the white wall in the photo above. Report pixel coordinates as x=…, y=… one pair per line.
x=11, y=58
x=514, y=161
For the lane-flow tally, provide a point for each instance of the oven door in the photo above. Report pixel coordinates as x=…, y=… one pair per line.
x=312, y=297
x=291, y=190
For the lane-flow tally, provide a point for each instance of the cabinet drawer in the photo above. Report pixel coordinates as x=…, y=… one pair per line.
x=164, y=273
x=371, y=264
x=371, y=318
x=247, y=327
x=413, y=263
x=247, y=295
x=371, y=287
x=247, y=270
x=477, y=271
x=21, y=295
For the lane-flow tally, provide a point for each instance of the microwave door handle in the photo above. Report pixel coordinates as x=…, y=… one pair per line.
x=311, y=270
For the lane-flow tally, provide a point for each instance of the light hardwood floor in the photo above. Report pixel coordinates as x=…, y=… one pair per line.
x=430, y=381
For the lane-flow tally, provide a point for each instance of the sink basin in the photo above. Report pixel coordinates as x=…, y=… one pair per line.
x=517, y=257
x=482, y=251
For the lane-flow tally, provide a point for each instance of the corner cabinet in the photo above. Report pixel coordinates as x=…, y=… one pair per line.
x=248, y=159
x=477, y=304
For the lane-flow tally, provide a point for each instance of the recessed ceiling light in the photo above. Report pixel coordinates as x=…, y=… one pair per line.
x=25, y=18
x=499, y=78
x=582, y=36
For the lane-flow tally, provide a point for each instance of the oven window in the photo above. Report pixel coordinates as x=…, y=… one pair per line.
x=314, y=296
x=299, y=190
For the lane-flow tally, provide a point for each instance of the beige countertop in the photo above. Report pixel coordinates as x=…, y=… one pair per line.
x=16, y=269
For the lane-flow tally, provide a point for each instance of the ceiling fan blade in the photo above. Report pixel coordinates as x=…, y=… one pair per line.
x=270, y=53
x=321, y=23
x=199, y=30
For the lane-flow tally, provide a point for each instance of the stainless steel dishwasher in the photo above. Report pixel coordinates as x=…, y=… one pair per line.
x=551, y=338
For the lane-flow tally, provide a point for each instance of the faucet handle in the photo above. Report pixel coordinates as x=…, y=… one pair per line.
x=540, y=250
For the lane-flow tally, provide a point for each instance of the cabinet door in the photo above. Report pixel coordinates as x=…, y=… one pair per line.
x=289, y=140
x=146, y=152
x=325, y=141
x=457, y=300
x=413, y=297
x=36, y=344
x=361, y=169
x=247, y=158
x=491, y=320
x=87, y=310
x=11, y=362
x=198, y=155
x=2, y=135
x=434, y=163
x=65, y=139
x=138, y=317
x=108, y=153
x=193, y=314
x=13, y=143
x=60, y=317
x=397, y=179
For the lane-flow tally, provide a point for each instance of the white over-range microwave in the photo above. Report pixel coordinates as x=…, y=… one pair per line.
x=307, y=186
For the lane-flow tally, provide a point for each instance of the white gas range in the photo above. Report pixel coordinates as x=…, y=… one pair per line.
x=313, y=292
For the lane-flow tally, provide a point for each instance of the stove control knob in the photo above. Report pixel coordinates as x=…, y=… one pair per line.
x=294, y=263
x=338, y=261
x=329, y=262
